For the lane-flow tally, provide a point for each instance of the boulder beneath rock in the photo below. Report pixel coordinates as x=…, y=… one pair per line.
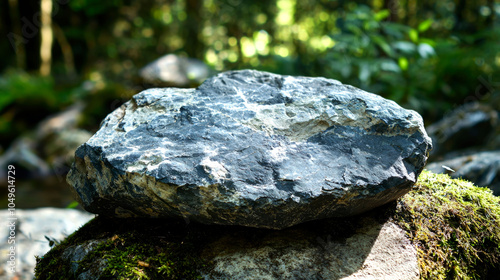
x=251, y=148
x=368, y=247
x=423, y=233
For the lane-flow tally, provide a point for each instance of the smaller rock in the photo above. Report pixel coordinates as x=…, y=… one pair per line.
x=34, y=231
x=481, y=168
x=75, y=254
x=176, y=71
x=50, y=147
x=468, y=126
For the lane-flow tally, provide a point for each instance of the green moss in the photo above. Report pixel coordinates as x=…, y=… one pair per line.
x=131, y=257
x=51, y=266
x=163, y=251
x=454, y=225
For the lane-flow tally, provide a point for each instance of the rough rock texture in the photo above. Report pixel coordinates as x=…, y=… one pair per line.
x=33, y=227
x=481, y=168
x=251, y=148
x=76, y=253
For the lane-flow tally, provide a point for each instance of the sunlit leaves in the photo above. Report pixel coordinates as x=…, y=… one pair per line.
x=403, y=63
x=413, y=34
x=382, y=15
x=424, y=25
x=381, y=56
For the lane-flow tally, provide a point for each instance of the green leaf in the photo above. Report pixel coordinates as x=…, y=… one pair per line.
x=72, y=205
x=379, y=40
x=382, y=15
x=346, y=70
x=428, y=41
x=413, y=35
x=403, y=63
x=394, y=30
x=424, y=25
x=354, y=29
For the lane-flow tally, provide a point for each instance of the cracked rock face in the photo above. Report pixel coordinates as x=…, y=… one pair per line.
x=251, y=148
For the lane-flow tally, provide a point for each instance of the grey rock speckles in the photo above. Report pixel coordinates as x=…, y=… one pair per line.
x=251, y=148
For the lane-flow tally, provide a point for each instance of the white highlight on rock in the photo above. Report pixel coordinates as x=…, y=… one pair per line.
x=278, y=154
x=214, y=169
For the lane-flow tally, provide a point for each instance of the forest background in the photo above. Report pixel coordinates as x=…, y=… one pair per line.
x=430, y=56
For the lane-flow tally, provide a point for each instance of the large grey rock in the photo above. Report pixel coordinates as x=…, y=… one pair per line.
x=251, y=148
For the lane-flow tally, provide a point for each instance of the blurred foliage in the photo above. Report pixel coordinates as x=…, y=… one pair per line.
x=25, y=99
x=381, y=56
x=430, y=58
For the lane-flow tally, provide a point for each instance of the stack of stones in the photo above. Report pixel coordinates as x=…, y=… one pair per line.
x=260, y=150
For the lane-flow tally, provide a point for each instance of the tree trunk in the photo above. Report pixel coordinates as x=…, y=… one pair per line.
x=65, y=49
x=47, y=37
x=192, y=43
x=411, y=13
x=16, y=25
x=393, y=7
x=490, y=21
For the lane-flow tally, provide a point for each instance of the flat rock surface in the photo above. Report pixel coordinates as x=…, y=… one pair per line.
x=251, y=148
x=376, y=251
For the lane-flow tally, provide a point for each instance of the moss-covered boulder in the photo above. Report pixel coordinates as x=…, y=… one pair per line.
x=455, y=227
x=443, y=229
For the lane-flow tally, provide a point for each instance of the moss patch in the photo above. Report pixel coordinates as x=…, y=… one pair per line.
x=130, y=257
x=455, y=227
x=131, y=249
